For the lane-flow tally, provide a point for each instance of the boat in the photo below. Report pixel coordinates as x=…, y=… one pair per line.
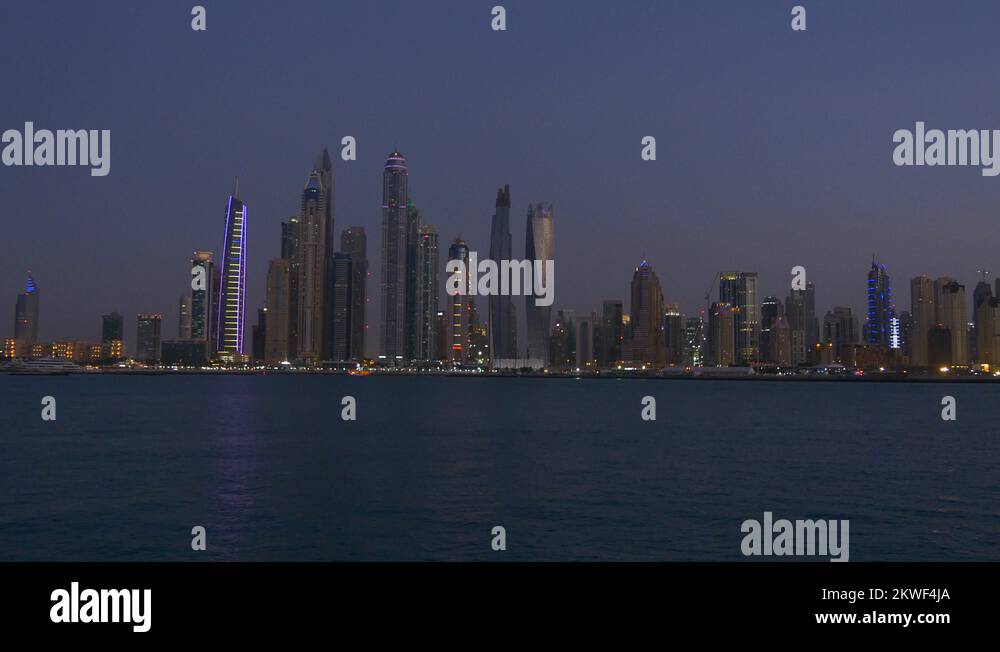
x=43, y=367
x=359, y=372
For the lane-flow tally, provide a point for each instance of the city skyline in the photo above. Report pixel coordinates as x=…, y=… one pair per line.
x=761, y=184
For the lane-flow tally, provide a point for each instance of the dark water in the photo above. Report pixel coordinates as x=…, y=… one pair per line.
x=268, y=467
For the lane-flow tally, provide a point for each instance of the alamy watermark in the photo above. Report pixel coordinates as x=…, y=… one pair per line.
x=61, y=147
x=803, y=537
x=980, y=147
x=505, y=278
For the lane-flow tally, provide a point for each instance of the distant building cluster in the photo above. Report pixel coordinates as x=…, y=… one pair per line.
x=316, y=299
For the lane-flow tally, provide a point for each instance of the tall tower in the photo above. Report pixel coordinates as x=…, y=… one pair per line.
x=502, y=329
x=922, y=309
x=313, y=259
x=883, y=325
x=26, y=314
x=412, y=319
x=232, y=288
x=427, y=292
x=395, y=195
x=747, y=319
x=951, y=312
x=646, y=311
x=279, y=342
x=204, y=299
x=460, y=307
x=342, y=304
x=539, y=245
x=354, y=243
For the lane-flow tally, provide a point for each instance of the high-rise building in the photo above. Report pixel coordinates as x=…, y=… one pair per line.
x=612, y=334
x=232, y=290
x=770, y=309
x=259, y=337
x=922, y=309
x=584, y=342
x=811, y=322
x=981, y=342
x=562, y=341
x=722, y=328
x=646, y=312
x=26, y=314
x=411, y=319
x=395, y=198
x=112, y=328
x=673, y=334
x=694, y=342
x=460, y=307
x=428, y=292
x=987, y=318
x=840, y=330
x=184, y=316
x=354, y=243
x=342, y=306
x=204, y=283
x=539, y=246
x=747, y=319
x=314, y=262
x=795, y=313
x=882, y=324
x=502, y=327
x=952, y=316
x=147, y=348
x=290, y=238
x=279, y=344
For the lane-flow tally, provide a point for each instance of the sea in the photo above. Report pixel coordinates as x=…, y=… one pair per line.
x=451, y=468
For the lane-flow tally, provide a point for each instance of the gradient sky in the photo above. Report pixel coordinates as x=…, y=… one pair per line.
x=774, y=146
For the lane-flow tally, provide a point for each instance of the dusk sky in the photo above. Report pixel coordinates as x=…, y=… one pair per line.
x=774, y=147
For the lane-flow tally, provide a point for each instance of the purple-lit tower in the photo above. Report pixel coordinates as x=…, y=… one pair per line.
x=232, y=288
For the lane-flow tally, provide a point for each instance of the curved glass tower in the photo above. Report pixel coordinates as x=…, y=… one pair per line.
x=233, y=282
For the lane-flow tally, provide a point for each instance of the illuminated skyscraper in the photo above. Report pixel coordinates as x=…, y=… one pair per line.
x=882, y=325
x=460, y=307
x=539, y=245
x=673, y=334
x=313, y=262
x=427, y=292
x=233, y=285
x=395, y=195
x=26, y=314
x=502, y=329
x=354, y=243
x=412, y=320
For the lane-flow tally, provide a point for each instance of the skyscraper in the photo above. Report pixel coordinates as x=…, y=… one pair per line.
x=279, y=345
x=539, y=245
x=26, y=314
x=204, y=283
x=184, y=316
x=646, y=313
x=722, y=329
x=313, y=258
x=922, y=309
x=342, y=305
x=112, y=328
x=882, y=324
x=673, y=334
x=982, y=342
x=395, y=196
x=612, y=334
x=952, y=316
x=428, y=297
x=502, y=328
x=747, y=319
x=232, y=289
x=412, y=319
x=147, y=338
x=354, y=243
x=460, y=307
x=795, y=314
x=771, y=309
x=694, y=342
